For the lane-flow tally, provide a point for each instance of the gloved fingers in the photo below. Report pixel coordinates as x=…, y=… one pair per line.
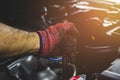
x=72, y=28
x=68, y=46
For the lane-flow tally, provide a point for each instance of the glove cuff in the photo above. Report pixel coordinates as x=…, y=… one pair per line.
x=41, y=43
x=44, y=47
x=48, y=40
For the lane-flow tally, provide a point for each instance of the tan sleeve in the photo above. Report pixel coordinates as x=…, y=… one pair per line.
x=16, y=42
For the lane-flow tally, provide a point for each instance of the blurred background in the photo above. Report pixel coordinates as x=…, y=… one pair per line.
x=98, y=22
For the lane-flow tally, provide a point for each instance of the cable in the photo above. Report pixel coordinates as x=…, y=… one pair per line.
x=74, y=69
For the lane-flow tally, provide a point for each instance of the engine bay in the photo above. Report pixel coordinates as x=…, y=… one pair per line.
x=98, y=43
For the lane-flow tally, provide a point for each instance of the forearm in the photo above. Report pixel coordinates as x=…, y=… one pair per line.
x=15, y=42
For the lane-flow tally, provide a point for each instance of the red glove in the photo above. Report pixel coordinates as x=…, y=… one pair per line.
x=68, y=45
x=51, y=37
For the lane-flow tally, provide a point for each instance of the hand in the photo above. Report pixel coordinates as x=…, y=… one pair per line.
x=70, y=28
x=51, y=37
x=69, y=42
